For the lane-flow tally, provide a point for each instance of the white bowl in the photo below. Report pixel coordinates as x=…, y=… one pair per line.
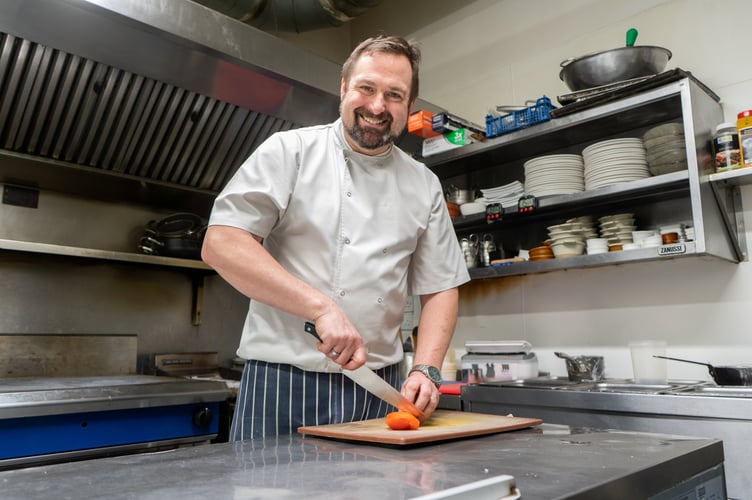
x=567, y=249
x=472, y=208
x=651, y=241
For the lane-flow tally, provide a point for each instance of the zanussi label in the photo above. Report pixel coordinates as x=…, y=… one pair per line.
x=676, y=249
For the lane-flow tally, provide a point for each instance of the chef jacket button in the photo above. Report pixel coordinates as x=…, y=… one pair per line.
x=381, y=300
x=383, y=251
x=342, y=293
x=347, y=241
x=349, y=194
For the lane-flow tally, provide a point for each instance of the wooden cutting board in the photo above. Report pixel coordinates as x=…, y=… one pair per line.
x=442, y=425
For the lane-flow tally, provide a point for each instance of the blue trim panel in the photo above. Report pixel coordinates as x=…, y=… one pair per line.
x=20, y=437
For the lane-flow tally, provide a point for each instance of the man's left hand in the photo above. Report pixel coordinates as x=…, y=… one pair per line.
x=422, y=392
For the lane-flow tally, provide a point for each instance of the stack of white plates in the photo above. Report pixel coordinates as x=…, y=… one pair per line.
x=508, y=194
x=554, y=174
x=666, y=151
x=614, y=161
x=617, y=229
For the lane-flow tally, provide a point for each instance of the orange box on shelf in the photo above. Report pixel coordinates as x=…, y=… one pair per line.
x=419, y=123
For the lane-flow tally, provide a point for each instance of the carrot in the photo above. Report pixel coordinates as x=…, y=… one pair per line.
x=402, y=421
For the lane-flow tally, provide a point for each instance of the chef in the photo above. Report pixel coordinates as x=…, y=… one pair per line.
x=335, y=225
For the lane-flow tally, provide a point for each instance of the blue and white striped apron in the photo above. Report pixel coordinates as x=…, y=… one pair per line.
x=275, y=398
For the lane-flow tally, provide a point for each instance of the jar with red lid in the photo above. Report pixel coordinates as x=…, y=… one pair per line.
x=744, y=127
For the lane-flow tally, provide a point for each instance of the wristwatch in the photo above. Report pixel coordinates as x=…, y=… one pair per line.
x=433, y=373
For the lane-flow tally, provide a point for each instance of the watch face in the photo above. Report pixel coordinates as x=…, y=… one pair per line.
x=434, y=373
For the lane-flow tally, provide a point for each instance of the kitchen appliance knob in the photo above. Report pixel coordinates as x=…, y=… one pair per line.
x=202, y=416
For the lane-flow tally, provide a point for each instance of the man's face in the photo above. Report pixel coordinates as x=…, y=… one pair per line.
x=375, y=102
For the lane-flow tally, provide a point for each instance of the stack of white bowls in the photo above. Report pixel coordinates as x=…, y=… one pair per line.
x=587, y=226
x=567, y=240
x=665, y=147
x=554, y=174
x=617, y=229
x=614, y=161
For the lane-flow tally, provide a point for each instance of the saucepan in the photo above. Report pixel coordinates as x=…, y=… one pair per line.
x=722, y=375
x=583, y=368
x=178, y=235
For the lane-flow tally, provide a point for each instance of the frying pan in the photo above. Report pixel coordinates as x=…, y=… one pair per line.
x=722, y=375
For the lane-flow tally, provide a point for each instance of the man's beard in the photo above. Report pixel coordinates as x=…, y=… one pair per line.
x=368, y=138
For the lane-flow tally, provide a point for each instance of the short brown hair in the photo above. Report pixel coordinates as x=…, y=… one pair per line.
x=388, y=45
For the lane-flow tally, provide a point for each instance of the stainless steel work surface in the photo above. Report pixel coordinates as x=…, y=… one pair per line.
x=549, y=461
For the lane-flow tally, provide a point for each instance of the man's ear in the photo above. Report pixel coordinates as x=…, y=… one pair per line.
x=342, y=88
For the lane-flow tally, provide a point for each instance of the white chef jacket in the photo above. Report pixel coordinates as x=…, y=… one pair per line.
x=364, y=230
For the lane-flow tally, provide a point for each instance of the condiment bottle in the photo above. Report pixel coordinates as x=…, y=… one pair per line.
x=744, y=127
x=726, y=147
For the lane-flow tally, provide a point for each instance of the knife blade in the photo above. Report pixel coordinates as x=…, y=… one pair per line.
x=370, y=381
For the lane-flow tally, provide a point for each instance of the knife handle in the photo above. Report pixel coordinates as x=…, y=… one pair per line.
x=311, y=328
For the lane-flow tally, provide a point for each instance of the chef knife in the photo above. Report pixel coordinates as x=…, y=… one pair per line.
x=367, y=378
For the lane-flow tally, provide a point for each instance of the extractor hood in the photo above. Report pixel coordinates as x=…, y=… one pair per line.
x=156, y=101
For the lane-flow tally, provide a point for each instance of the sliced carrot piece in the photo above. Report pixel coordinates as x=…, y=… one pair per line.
x=402, y=421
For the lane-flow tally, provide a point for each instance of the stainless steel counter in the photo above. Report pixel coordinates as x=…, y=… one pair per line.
x=548, y=461
x=682, y=407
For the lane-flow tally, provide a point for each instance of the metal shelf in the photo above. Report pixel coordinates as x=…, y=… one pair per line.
x=658, y=186
x=91, y=253
x=738, y=177
x=584, y=261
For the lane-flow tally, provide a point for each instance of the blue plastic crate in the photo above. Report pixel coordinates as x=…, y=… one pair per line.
x=539, y=112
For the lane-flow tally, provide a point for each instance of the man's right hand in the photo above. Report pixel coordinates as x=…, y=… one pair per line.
x=341, y=342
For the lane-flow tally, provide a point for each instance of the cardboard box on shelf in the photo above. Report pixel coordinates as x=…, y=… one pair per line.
x=445, y=142
x=420, y=124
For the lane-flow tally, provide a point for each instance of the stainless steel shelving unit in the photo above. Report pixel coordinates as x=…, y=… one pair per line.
x=709, y=203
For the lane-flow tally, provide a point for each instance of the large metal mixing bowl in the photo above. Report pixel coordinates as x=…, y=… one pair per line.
x=615, y=65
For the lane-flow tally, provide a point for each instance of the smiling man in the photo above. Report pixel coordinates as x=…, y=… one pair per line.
x=335, y=225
